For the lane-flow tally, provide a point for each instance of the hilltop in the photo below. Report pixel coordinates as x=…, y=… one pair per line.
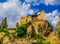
x=34, y=29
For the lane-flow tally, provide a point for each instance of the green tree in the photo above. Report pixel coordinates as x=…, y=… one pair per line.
x=47, y=42
x=6, y=32
x=21, y=30
x=1, y=29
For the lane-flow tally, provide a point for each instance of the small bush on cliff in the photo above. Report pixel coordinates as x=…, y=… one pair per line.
x=58, y=33
x=38, y=38
x=46, y=42
x=1, y=30
x=21, y=30
x=0, y=41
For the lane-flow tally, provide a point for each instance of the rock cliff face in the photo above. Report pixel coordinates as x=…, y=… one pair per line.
x=4, y=23
x=17, y=24
x=39, y=23
x=53, y=37
x=58, y=25
x=39, y=26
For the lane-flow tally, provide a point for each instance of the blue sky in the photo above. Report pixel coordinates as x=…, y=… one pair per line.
x=15, y=9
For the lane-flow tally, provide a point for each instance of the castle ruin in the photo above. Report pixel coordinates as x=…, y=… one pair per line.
x=4, y=23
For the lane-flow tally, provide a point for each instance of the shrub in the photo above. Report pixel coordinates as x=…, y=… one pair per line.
x=46, y=42
x=1, y=30
x=6, y=32
x=38, y=38
x=21, y=30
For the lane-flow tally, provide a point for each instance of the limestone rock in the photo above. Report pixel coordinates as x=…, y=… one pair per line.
x=6, y=40
x=58, y=25
x=23, y=20
x=1, y=35
x=17, y=24
x=39, y=23
x=41, y=16
x=11, y=31
x=4, y=23
x=53, y=37
x=11, y=37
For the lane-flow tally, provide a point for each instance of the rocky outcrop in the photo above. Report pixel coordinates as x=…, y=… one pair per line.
x=17, y=24
x=4, y=23
x=58, y=25
x=39, y=23
x=54, y=37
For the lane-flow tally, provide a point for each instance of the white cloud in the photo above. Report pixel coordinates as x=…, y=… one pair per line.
x=46, y=2
x=14, y=10
x=31, y=12
x=52, y=2
x=35, y=2
x=53, y=17
x=49, y=2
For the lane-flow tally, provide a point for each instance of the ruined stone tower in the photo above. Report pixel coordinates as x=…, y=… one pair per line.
x=58, y=24
x=17, y=24
x=39, y=23
x=4, y=23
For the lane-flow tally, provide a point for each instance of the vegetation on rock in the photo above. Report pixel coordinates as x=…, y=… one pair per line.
x=40, y=31
x=21, y=32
